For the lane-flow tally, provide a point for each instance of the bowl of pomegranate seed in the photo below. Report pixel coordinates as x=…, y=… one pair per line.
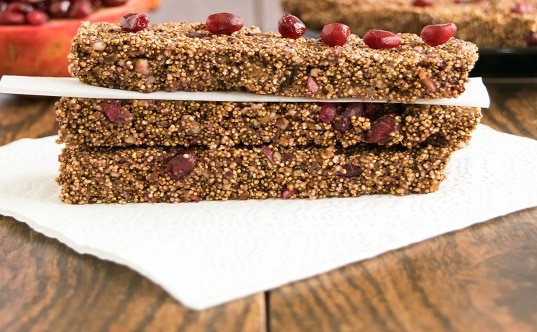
x=35, y=35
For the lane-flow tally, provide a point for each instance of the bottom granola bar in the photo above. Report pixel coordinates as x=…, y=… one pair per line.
x=157, y=174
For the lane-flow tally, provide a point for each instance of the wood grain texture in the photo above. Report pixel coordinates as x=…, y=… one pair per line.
x=26, y=117
x=45, y=286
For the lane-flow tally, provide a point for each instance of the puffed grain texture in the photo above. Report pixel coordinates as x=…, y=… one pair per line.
x=124, y=175
x=83, y=122
x=185, y=56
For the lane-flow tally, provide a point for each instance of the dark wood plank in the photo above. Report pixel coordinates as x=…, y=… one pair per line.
x=25, y=116
x=46, y=286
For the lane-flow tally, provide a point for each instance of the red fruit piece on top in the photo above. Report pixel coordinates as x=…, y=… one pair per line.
x=335, y=34
x=438, y=34
x=381, y=130
x=290, y=26
x=134, y=22
x=224, y=23
x=378, y=39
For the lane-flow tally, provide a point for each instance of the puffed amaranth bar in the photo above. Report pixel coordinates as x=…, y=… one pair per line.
x=488, y=24
x=185, y=56
x=103, y=122
x=156, y=174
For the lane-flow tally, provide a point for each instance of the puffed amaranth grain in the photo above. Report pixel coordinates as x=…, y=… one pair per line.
x=125, y=175
x=84, y=122
x=185, y=56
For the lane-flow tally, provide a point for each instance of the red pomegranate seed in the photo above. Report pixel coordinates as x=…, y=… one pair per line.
x=438, y=34
x=380, y=130
x=115, y=113
x=134, y=22
x=113, y=3
x=378, y=39
x=342, y=123
x=371, y=110
x=224, y=23
x=80, y=9
x=335, y=34
x=181, y=164
x=290, y=26
x=423, y=3
x=36, y=17
x=522, y=8
x=313, y=86
x=268, y=153
x=327, y=112
x=59, y=9
x=12, y=18
x=288, y=193
x=353, y=109
x=20, y=7
x=349, y=171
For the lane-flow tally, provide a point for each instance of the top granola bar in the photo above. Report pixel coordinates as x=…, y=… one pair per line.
x=185, y=56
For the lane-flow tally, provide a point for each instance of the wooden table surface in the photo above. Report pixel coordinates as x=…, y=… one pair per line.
x=483, y=278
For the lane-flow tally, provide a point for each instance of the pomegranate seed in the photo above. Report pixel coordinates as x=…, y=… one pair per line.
x=268, y=153
x=522, y=8
x=371, y=110
x=423, y=3
x=378, y=39
x=335, y=34
x=342, y=123
x=36, y=17
x=438, y=34
x=134, y=22
x=288, y=193
x=290, y=26
x=12, y=18
x=113, y=3
x=327, y=112
x=313, y=86
x=80, y=9
x=20, y=7
x=224, y=23
x=59, y=9
x=115, y=113
x=348, y=171
x=353, y=109
x=381, y=130
x=181, y=164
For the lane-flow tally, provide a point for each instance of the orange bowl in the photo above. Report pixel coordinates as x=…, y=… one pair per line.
x=42, y=50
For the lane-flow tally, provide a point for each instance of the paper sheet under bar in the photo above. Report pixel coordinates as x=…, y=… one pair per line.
x=476, y=94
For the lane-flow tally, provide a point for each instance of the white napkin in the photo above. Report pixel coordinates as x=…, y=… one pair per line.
x=209, y=253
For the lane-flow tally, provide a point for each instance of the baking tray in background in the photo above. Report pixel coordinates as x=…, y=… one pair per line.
x=506, y=63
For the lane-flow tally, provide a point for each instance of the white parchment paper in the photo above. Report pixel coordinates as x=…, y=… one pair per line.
x=475, y=94
x=208, y=253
